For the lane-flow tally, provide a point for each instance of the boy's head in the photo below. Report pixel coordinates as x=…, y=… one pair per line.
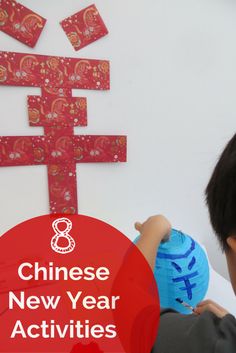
x=221, y=201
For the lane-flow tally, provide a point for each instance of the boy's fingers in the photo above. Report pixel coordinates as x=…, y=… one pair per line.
x=208, y=302
x=209, y=305
x=138, y=226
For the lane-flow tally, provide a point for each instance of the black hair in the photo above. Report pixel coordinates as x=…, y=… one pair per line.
x=221, y=195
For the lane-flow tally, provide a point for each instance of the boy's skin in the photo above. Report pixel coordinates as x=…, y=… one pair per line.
x=156, y=229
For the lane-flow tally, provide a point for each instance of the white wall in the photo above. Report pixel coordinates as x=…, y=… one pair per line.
x=173, y=94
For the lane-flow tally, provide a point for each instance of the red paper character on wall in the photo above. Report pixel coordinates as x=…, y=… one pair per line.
x=58, y=112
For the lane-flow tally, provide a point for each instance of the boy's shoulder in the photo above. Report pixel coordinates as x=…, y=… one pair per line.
x=204, y=333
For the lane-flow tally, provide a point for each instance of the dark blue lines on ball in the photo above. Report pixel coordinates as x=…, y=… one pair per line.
x=181, y=271
x=192, y=263
x=186, y=279
x=176, y=266
x=178, y=256
x=188, y=285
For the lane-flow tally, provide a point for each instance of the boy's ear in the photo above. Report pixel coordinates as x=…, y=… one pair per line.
x=231, y=241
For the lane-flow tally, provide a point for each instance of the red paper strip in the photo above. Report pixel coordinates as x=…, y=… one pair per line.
x=18, y=69
x=20, y=22
x=84, y=27
x=62, y=186
x=92, y=148
x=17, y=150
x=54, y=111
x=62, y=179
x=31, y=150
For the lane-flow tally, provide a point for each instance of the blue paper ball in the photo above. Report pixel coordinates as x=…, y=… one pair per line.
x=181, y=272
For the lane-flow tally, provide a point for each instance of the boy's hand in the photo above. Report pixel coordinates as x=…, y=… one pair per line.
x=209, y=305
x=157, y=226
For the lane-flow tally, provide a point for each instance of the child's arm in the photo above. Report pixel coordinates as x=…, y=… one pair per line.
x=154, y=230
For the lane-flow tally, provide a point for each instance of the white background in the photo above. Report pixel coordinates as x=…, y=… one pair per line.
x=173, y=86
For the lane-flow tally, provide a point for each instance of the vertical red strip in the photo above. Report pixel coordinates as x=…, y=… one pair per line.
x=62, y=180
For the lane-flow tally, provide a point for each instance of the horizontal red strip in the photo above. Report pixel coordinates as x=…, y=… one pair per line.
x=36, y=150
x=20, y=69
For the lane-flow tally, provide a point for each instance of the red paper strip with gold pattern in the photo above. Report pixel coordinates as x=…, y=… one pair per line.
x=34, y=150
x=84, y=27
x=62, y=187
x=20, y=22
x=19, y=69
x=53, y=111
x=62, y=180
x=92, y=148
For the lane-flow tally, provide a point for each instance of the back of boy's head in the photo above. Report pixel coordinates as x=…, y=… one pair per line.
x=221, y=195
